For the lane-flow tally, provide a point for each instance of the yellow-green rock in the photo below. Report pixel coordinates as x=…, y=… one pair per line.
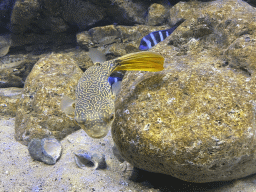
x=8, y=100
x=195, y=120
x=38, y=112
x=157, y=14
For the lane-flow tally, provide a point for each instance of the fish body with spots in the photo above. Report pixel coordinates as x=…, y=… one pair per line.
x=94, y=109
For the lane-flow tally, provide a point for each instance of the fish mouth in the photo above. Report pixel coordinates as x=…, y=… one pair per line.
x=96, y=130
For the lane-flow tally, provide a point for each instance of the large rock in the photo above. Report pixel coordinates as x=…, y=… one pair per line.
x=117, y=40
x=5, y=43
x=128, y=12
x=38, y=112
x=157, y=14
x=82, y=13
x=8, y=100
x=5, y=14
x=195, y=120
x=23, y=15
x=48, y=22
x=14, y=69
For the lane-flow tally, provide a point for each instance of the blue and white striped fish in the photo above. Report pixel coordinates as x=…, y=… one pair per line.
x=155, y=37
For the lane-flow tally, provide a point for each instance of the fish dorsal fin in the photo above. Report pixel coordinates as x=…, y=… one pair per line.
x=141, y=61
x=67, y=106
x=96, y=55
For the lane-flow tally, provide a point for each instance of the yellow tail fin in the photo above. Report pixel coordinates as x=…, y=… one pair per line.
x=141, y=61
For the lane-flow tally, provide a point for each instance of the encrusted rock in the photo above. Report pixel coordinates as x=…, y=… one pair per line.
x=195, y=120
x=38, y=112
x=157, y=14
x=5, y=14
x=80, y=56
x=83, y=13
x=5, y=43
x=44, y=21
x=8, y=100
x=128, y=11
x=117, y=40
x=14, y=69
x=104, y=35
x=23, y=14
x=58, y=25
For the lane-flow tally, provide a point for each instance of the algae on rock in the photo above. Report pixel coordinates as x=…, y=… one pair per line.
x=38, y=112
x=196, y=119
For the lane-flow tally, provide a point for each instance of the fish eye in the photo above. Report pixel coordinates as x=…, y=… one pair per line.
x=111, y=117
x=144, y=43
x=98, y=64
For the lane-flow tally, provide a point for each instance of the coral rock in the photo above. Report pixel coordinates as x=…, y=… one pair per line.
x=157, y=14
x=195, y=120
x=38, y=112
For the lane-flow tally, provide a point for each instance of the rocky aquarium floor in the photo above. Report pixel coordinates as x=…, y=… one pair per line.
x=18, y=172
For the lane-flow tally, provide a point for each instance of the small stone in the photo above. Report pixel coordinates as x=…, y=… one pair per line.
x=85, y=159
x=35, y=150
x=47, y=150
x=126, y=167
x=51, y=148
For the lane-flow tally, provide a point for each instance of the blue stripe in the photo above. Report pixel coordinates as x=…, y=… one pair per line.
x=153, y=38
x=161, y=35
x=113, y=80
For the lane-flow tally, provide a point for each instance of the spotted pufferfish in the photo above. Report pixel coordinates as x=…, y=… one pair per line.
x=94, y=109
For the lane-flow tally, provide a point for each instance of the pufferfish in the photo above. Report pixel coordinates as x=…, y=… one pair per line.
x=94, y=109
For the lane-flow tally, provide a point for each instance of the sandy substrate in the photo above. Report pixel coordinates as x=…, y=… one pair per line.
x=18, y=172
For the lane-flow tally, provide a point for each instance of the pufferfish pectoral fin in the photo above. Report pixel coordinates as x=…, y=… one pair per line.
x=96, y=55
x=116, y=87
x=67, y=105
x=115, y=83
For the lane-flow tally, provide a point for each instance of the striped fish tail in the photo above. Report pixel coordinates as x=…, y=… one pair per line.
x=175, y=26
x=141, y=61
x=179, y=22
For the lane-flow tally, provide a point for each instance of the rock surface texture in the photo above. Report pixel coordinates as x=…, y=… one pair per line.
x=38, y=112
x=157, y=14
x=195, y=120
x=8, y=100
x=46, y=21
